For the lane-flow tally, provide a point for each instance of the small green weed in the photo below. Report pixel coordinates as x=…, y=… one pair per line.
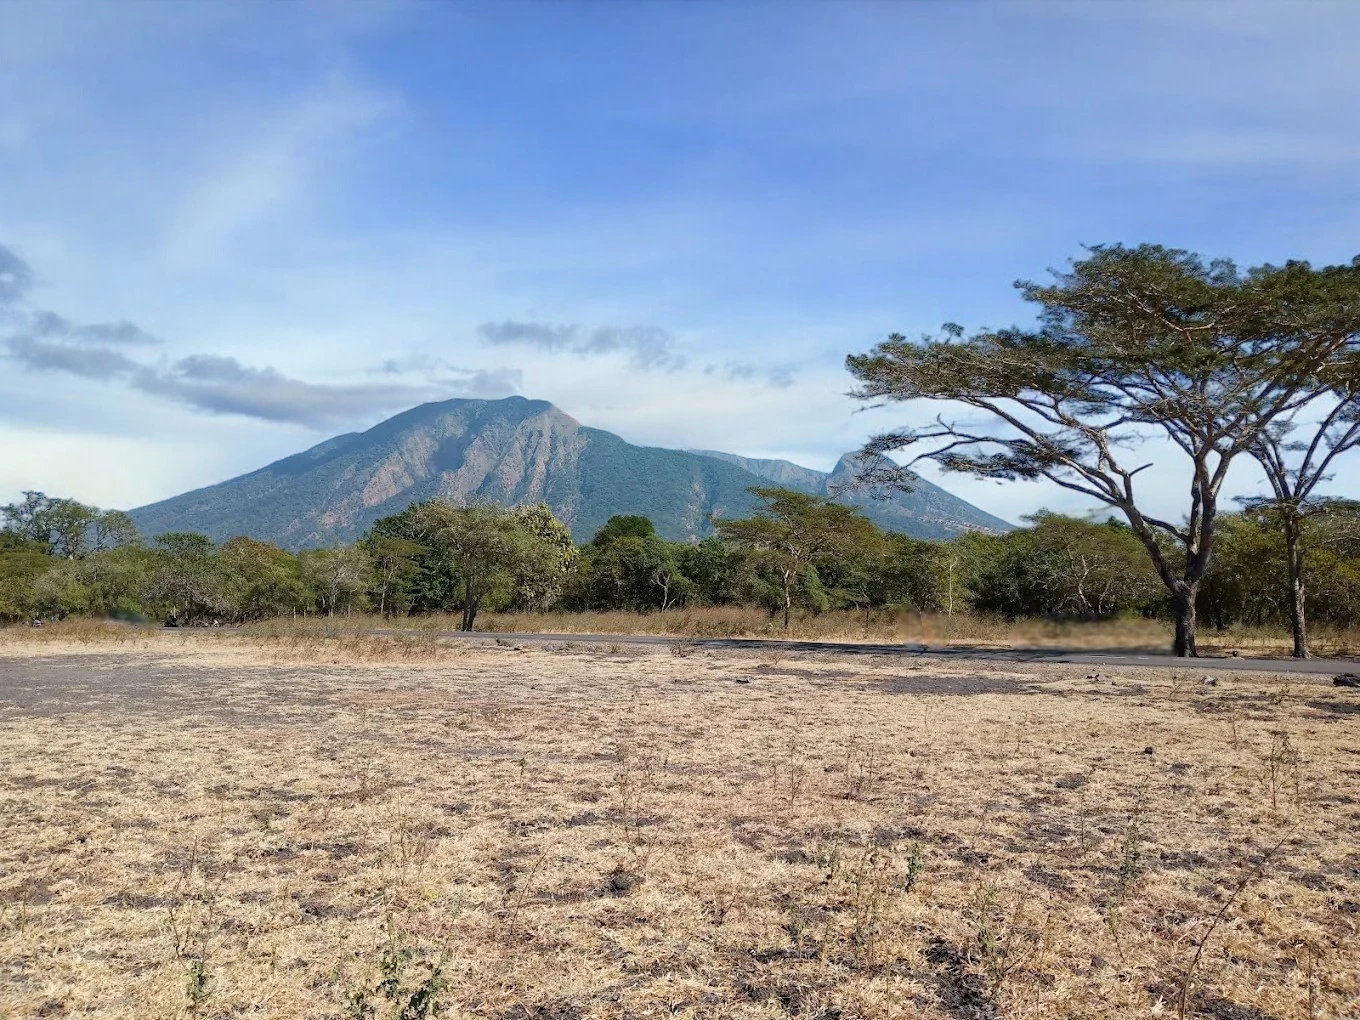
x=406, y=989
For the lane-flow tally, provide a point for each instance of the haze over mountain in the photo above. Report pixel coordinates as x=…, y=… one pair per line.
x=514, y=451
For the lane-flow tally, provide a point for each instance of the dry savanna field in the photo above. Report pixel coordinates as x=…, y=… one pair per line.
x=295, y=826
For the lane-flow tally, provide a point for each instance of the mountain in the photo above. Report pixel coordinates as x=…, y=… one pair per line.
x=510, y=451
x=927, y=511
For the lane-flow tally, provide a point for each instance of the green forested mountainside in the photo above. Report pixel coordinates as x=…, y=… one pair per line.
x=927, y=511
x=509, y=451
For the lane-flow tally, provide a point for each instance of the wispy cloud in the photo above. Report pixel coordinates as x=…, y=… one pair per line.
x=217, y=384
x=222, y=385
x=466, y=382
x=16, y=278
x=647, y=347
x=87, y=362
x=44, y=341
x=779, y=376
x=270, y=166
x=50, y=325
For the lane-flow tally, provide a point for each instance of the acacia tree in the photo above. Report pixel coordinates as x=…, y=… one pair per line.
x=793, y=529
x=395, y=563
x=1131, y=344
x=1295, y=468
x=1297, y=452
x=487, y=545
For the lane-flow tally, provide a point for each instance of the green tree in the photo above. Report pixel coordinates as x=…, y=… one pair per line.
x=396, y=563
x=791, y=529
x=260, y=580
x=60, y=591
x=1131, y=343
x=909, y=572
x=1299, y=448
x=629, y=573
x=713, y=569
x=115, y=579
x=26, y=518
x=1332, y=562
x=185, y=582
x=542, y=590
x=1244, y=584
x=623, y=526
x=434, y=586
x=70, y=524
x=62, y=524
x=1294, y=470
x=22, y=562
x=487, y=546
x=1061, y=566
x=847, y=578
x=112, y=529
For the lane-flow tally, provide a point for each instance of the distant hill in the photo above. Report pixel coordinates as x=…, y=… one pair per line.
x=927, y=511
x=510, y=451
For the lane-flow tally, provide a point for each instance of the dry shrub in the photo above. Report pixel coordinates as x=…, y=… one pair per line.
x=75, y=631
x=349, y=640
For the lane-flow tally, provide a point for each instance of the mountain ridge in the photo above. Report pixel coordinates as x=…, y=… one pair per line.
x=932, y=504
x=509, y=451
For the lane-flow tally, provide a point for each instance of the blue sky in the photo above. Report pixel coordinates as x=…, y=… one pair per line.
x=672, y=220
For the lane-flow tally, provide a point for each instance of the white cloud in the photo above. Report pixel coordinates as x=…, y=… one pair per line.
x=768, y=221
x=270, y=162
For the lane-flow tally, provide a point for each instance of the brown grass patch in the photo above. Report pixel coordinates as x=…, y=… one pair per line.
x=932, y=629
x=233, y=831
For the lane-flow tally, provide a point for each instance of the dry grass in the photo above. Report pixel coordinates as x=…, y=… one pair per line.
x=319, y=637
x=212, y=825
x=318, y=641
x=933, y=629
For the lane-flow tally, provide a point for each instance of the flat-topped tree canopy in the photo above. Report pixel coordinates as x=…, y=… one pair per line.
x=1131, y=344
x=795, y=528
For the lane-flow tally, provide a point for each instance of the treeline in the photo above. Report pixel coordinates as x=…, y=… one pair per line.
x=799, y=554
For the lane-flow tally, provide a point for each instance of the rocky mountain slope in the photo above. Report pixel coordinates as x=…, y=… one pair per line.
x=510, y=451
x=927, y=511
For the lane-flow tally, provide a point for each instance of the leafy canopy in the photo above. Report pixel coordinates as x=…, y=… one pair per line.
x=796, y=526
x=623, y=526
x=1131, y=344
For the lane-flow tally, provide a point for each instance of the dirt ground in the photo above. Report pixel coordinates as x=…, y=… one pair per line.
x=210, y=826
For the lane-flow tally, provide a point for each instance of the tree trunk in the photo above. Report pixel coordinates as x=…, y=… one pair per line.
x=1185, y=620
x=788, y=596
x=469, y=607
x=1298, y=620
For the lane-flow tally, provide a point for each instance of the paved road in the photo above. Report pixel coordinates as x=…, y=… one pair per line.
x=1209, y=664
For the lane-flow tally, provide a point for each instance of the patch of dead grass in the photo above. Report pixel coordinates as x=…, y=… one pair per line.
x=890, y=626
x=594, y=835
